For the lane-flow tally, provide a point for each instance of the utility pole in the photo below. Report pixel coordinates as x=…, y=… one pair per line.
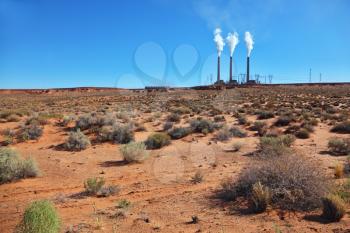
x=310, y=75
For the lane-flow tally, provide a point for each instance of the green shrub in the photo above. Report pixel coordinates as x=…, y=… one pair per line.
x=30, y=132
x=177, y=133
x=283, y=121
x=334, y=208
x=276, y=144
x=265, y=115
x=260, y=197
x=223, y=134
x=202, y=126
x=94, y=185
x=302, y=134
x=40, y=217
x=122, y=134
x=134, y=152
x=13, y=167
x=77, y=141
x=339, y=146
x=343, y=128
x=157, y=141
x=174, y=117
x=237, y=132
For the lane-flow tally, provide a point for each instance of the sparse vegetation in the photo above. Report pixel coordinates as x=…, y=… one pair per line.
x=180, y=132
x=202, y=126
x=94, y=185
x=343, y=128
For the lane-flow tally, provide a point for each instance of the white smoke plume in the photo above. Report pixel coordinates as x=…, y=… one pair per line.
x=232, y=41
x=219, y=41
x=249, y=42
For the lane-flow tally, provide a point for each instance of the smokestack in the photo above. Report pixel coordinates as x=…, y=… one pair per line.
x=248, y=69
x=231, y=69
x=249, y=43
x=218, y=69
x=219, y=41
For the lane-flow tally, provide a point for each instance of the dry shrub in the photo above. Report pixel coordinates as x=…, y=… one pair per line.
x=260, y=197
x=30, y=132
x=134, y=152
x=202, y=126
x=77, y=141
x=302, y=134
x=334, y=208
x=295, y=183
x=343, y=128
x=339, y=171
x=157, y=141
x=339, y=146
x=13, y=167
x=94, y=185
x=177, y=133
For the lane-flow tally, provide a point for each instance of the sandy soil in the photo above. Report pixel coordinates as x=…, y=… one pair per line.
x=162, y=196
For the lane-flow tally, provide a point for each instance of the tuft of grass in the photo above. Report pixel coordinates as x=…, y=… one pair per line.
x=260, y=197
x=134, y=152
x=40, y=217
x=197, y=178
x=333, y=208
x=339, y=171
x=94, y=185
x=157, y=141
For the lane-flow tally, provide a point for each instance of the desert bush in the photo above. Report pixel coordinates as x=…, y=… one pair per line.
x=40, y=217
x=122, y=134
x=77, y=141
x=262, y=115
x=13, y=118
x=223, y=134
x=295, y=183
x=339, y=171
x=260, y=197
x=343, y=128
x=37, y=119
x=333, y=208
x=283, y=121
x=157, y=141
x=197, y=178
x=237, y=146
x=259, y=126
x=174, y=117
x=85, y=122
x=134, y=152
x=66, y=120
x=177, y=133
x=242, y=120
x=339, y=146
x=94, y=185
x=110, y=190
x=168, y=125
x=202, y=126
x=180, y=110
x=237, y=132
x=302, y=134
x=30, y=132
x=13, y=167
x=219, y=119
x=283, y=140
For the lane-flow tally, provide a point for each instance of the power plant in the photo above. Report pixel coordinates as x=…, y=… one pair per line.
x=232, y=41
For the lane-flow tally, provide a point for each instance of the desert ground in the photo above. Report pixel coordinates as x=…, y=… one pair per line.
x=177, y=187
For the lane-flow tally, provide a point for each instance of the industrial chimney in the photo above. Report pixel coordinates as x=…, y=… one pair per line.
x=230, y=69
x=218, y=81
x=248, y=69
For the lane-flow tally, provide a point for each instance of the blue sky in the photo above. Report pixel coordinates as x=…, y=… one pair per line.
x=69, y=43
